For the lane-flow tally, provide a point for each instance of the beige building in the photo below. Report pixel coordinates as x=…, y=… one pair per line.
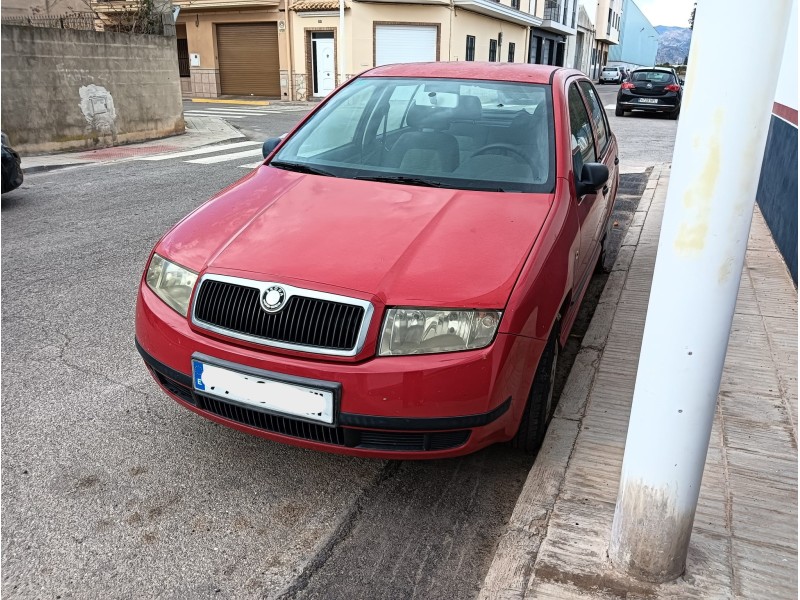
x=264, y=48
x=607, y=25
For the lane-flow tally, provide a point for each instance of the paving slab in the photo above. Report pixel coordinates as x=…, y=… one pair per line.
x=744, y=540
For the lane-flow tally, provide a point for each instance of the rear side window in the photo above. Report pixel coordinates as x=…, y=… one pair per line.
x=598, y=115
x=582, y=138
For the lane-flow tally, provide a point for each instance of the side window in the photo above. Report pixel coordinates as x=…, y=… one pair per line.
x=598, y=115
x=581, y=129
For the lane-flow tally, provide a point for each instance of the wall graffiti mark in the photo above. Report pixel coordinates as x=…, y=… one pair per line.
x=97, y=107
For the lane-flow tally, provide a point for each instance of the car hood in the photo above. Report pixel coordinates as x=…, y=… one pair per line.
x=404, y=245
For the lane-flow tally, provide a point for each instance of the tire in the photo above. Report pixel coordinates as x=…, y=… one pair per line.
x=601, y=82
x=618, y=111
x=600, y=267
x=674, y=114
x=539, y=408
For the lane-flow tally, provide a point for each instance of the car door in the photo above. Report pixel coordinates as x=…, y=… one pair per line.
x=606, y=147
x=583, y=150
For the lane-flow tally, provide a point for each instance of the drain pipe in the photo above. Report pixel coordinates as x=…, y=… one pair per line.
x=709, y=206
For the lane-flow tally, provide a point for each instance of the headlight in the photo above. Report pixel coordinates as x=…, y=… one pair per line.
x=170, y=282
x=426, y=331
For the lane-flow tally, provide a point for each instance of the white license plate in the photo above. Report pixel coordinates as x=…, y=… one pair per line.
x=648, y=100
x=307, y=402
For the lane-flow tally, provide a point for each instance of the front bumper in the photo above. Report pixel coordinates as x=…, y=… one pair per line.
x=402, y=407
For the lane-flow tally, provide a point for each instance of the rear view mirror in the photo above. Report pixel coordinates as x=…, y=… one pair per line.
x=269, y=146
x=593, y=177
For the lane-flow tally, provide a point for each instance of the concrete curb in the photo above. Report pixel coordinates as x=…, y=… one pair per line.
x=509, y=574
x=46, y=168
x=204, y=131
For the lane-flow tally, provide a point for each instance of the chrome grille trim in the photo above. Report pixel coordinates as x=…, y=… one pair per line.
x=291, y=291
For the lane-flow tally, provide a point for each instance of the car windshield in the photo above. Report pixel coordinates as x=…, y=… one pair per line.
x=653, y=76
x=609, y=69
x=462, y=134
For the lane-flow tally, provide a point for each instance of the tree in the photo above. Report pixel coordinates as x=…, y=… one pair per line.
x=691, y=17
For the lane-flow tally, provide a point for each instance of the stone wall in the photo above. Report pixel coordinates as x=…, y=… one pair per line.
x=67, y=89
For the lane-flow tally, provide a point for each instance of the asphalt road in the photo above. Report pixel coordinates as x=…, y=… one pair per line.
x=111, y=490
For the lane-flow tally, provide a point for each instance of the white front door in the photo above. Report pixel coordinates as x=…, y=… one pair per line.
x=323, y=65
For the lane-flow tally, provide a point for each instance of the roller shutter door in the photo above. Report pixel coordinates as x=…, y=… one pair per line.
x=404, y=43
x=248, y=59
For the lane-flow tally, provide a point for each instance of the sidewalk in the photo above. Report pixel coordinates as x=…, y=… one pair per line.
x=744, y=541
x=200, y=131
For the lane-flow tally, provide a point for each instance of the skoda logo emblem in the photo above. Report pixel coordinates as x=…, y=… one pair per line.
x=273, y=298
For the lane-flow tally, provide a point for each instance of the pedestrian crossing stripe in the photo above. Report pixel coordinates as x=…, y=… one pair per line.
x=210, y=160
x=203, y=150
x=222, y=153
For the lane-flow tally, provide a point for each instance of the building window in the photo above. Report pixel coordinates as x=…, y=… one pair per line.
x=470, y=55
x=492, y=50
x=511, y=48
x=515, y=4
x=610, y=19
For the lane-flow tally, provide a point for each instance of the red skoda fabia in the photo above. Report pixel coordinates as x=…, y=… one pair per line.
x=397, y=278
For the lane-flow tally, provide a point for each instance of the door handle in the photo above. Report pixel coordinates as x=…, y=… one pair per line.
x=616, y=160
x=605, y=190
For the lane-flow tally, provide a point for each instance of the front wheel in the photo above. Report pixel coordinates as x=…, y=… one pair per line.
x=539, y=408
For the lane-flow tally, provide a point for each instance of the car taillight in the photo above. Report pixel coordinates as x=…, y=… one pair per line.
x=627, y=86
x=673, y=87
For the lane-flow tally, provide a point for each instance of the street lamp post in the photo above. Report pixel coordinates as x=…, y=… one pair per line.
x=709, y=206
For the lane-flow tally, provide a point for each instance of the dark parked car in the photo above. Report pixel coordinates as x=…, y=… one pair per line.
x=654, y=89
x=12, y=166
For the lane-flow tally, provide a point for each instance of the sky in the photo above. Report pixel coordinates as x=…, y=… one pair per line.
x=666, y=12
x=658, y=12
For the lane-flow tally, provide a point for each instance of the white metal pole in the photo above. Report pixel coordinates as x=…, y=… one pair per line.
x=341, y=42
x=717, y=158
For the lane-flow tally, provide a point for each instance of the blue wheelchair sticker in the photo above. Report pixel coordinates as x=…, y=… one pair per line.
x=197, y=368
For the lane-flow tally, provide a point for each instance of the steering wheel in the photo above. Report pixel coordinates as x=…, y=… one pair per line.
x=498, y=146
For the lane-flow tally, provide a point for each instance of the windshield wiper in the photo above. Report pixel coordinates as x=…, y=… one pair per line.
x=403, y=179
x=300, y=168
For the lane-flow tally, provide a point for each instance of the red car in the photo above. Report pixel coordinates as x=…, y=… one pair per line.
x=397, y=278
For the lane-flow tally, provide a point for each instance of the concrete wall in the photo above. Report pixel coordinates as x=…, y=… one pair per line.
x=65, y=89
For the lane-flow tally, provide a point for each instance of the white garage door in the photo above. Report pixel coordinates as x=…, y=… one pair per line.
x=404, y=43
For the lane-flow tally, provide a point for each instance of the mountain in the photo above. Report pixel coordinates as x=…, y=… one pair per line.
x=673, y=44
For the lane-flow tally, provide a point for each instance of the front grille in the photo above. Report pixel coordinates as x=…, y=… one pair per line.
x=274, y=423
x=389, y=440
x=303, y=321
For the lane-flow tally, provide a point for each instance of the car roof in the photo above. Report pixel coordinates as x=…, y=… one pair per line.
x=491, y=71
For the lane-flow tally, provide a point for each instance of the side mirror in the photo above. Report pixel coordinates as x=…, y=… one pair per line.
x=269, y=146
x=593, y=177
